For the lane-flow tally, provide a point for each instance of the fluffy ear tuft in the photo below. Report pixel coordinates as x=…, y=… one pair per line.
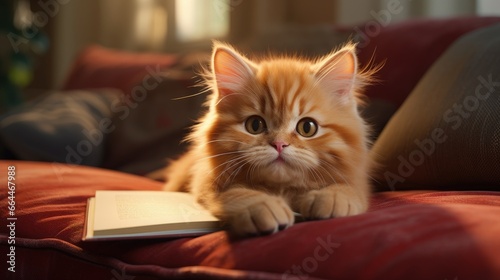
x=230, y=69
x=337, y=71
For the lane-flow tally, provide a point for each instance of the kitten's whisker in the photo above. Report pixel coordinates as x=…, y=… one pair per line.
x=235, y=172
x=224, y=140
x=225, y=96
x=320, y=174
x=254, y=168
x=229, y=165
x=351, y=164
x=342, y=160
x=222, y=154
x=250, y=171
x=320, y=178
x=323, y=162
x=337, y=173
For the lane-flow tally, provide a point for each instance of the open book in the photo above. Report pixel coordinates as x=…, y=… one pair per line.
x=113, y=215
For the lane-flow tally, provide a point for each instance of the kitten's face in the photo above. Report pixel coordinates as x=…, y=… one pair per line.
x=280, y=122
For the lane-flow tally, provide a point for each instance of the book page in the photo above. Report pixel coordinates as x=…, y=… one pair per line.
x=130, y=209
x=88, y=230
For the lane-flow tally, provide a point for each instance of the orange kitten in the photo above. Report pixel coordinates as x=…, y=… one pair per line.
x=281, y=135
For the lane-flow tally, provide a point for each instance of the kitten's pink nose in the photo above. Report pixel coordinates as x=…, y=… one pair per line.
x=279, y=145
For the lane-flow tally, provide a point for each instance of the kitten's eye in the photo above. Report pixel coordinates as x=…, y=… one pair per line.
x=255, y=125
x=307, y=127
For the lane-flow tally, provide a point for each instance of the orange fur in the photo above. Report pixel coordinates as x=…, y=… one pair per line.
x=244, y=178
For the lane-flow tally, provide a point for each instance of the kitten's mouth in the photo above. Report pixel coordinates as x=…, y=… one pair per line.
x=279, y=159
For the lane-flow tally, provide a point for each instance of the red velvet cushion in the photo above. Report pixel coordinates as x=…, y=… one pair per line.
x=405, y=235
x=408, y=49
x=98, y=67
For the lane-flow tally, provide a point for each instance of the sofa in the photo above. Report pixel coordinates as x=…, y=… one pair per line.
x=434, y=213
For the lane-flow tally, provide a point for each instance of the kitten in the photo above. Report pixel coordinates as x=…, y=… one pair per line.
x=281, y=135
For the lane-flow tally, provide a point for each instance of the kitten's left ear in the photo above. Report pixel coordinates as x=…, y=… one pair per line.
x=231, y=70
x=337, y=72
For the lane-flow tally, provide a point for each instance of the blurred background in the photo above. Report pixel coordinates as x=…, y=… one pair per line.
x=53, y=32
x=70, y=53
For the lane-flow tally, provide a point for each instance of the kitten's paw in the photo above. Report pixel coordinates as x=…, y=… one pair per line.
x=331, y=202
x=263, y=217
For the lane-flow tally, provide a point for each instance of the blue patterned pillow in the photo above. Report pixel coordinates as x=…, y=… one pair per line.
x=68, y=127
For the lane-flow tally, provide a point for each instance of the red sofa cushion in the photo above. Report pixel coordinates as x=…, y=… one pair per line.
x=99, y=67
x=446, y=134
x=150, y=120
x=408, y=49
x=405, y=235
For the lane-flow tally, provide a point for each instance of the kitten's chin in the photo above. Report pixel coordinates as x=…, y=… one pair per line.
x=278, y=171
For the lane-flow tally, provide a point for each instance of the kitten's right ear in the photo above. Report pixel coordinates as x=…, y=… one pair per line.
x=230, y=69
